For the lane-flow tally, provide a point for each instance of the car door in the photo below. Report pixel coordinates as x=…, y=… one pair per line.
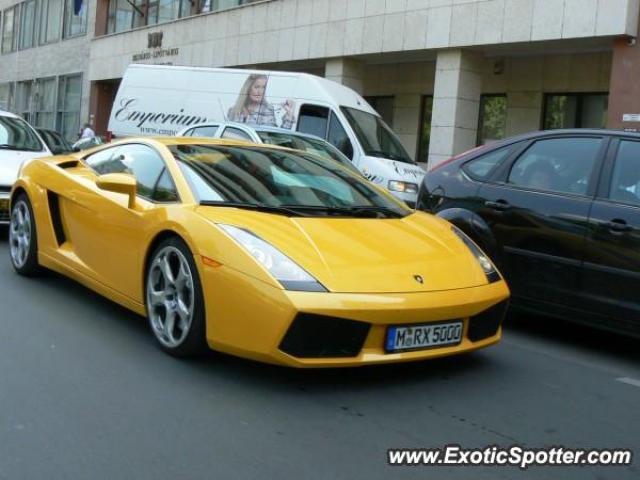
x=106, y=235
x=611, y=270
x=537, y=208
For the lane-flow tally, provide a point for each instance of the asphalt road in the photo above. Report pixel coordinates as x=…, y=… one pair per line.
x=84, y=393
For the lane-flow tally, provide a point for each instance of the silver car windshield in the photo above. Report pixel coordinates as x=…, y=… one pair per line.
x=306, y=144
x=15, y=134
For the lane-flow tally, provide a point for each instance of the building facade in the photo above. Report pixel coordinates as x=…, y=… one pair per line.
x=445, y=74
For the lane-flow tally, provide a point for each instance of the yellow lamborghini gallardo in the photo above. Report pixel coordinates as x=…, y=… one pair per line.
x=257, y=251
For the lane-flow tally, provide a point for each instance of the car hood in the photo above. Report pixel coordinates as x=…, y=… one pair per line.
x=353, y=255
x=10, y=162
x=380, y=170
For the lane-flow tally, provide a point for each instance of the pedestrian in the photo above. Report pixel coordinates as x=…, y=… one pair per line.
x=87, y=131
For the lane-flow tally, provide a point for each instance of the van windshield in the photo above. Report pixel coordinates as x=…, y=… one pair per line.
x=375, y=136
x=15, y=134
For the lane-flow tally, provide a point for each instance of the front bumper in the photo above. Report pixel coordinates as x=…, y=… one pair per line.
x=4, y=207
x=248, y=318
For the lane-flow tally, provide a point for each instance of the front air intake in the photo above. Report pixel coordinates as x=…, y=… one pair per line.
x=317, y=336
x=487, y=323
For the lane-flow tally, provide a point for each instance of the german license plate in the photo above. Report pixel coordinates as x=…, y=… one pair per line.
x=418, y=337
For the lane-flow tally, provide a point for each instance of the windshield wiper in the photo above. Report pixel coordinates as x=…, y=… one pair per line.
x=355, y=211
x=281, y=210
x=6, y=146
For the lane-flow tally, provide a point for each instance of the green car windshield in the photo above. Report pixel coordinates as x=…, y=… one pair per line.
x=280, y=181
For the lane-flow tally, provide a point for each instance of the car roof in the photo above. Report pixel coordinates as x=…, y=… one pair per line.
x=256, y=128
x=168, y=141
x=4, y=113
x=567, y=131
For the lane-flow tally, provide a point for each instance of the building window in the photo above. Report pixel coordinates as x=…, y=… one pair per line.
x=125, y=15
x=23, y=99
x=27, y=24
x=45, y=103
x=74, y=24
x=6, y=96
x=10, y=29
x=424, y=135
x=384, y=106
x=492, y=123
x=575, y=110
x=51, y=13
x=69, y=101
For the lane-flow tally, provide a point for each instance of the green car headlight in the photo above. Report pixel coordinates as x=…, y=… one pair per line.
x=287, y=272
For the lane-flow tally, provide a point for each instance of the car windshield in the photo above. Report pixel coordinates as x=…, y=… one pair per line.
x=279, y=181
x=15, y=134
x=56, y=142
x=375, y=136
x=307, y=144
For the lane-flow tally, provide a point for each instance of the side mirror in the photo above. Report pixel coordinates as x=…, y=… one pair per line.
x=119, y=183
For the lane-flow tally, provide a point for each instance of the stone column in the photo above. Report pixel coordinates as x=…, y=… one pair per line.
x=624, y=89
x=456, y=104
x=347, y=71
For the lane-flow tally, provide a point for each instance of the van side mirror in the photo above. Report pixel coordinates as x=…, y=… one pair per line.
x=119, y=183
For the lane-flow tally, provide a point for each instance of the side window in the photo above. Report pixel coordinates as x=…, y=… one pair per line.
x=338, y=137
x=165, y=190
x=101, y=162
x=235, y=134
x=625, y=182
x=480, y=168
x=189, y=133
x=143, y=162
x=313, y=120
x=208, y=131
x=557, y=165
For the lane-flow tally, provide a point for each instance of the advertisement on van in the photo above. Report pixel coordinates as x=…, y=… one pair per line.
x=253, y=98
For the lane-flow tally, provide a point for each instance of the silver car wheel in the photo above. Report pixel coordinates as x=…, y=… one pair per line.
x=20, y=234
x=170, y=296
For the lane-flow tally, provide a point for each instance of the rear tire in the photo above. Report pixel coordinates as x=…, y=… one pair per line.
x=23, y=237
x=174, y=300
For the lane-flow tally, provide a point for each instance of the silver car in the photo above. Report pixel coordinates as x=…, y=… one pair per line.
x=271, y=136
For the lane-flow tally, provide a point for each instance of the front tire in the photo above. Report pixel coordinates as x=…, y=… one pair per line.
x=174, y=300
x=23, y=237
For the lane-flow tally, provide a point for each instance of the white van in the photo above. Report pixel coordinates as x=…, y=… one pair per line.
x=162, y=100
x=19, y=142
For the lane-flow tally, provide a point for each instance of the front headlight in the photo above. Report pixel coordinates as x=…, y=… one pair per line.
x=403, y=187
x=290, y=275
x=486, y=264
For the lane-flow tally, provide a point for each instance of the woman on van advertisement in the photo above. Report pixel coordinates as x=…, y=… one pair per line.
x=252, y=107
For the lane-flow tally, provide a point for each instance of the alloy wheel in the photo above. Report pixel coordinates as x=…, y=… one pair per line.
x=170, y=296
x=20, y=234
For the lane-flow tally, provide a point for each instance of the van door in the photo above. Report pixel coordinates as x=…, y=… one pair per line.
x=324, y=123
